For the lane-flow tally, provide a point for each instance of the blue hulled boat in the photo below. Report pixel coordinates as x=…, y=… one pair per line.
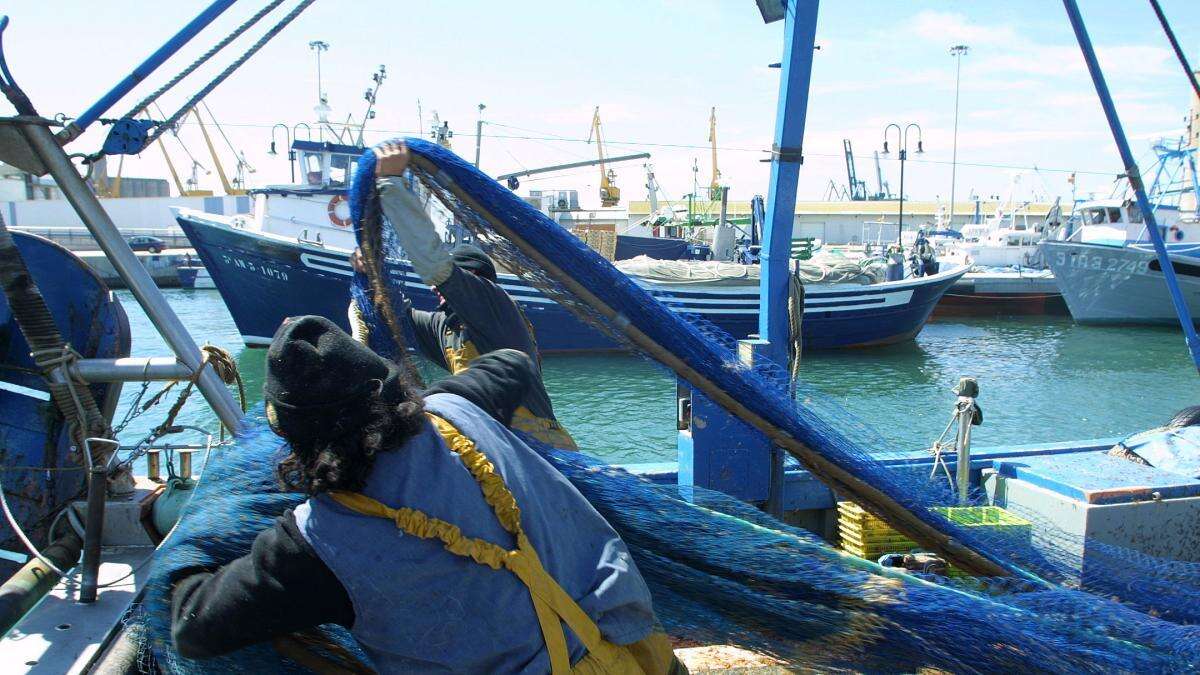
x=292, y=257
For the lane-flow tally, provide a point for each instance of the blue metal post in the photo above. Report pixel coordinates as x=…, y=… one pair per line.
x=799, y=38
x=1135, y=179
x=148, y=66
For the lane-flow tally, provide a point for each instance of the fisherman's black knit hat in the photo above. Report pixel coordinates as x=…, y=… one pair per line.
x=472, y=258
x=320, y=381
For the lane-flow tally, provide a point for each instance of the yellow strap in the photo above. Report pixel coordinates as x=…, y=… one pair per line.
x=551, y=603
x=457, y=360
x=547, y=431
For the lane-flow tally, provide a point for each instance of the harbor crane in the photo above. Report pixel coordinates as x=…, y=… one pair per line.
x=511, y=178
x=857, y=189
x=714, y=187
x=610, y=194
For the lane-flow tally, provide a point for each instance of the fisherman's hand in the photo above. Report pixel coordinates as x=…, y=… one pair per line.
x=391, y=159
x=356, y=261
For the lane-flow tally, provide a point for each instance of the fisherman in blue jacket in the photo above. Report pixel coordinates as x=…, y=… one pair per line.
x=476, y=315
x=440, y=539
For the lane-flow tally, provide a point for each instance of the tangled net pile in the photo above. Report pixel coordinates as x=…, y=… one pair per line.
x=721, y=571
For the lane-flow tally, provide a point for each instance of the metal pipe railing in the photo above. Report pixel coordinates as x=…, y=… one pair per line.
x=156, y=368
x=136, y=278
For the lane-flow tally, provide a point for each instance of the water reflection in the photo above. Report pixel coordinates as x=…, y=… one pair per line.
x=1041, y=379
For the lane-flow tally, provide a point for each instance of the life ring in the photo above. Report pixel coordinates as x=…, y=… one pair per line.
x=332, y=210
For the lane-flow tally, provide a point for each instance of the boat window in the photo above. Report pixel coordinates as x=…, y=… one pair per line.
x=339, y=169
x=1135, y=214
x=311, y=162
x=1095, y=217
x=1114, y=214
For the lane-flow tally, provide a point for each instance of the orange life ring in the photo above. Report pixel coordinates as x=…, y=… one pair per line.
x=331, y=209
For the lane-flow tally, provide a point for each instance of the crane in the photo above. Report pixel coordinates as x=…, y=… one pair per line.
x=885, y=192
x=714, y=187
x=239, y=186
x=857, y=188
x=610, y=194
x=441, y=133
x=513, y=183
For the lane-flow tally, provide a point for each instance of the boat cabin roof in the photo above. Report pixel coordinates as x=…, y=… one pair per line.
x=325, y=164
x=321, y=146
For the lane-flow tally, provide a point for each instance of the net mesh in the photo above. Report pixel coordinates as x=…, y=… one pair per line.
x=721, y=571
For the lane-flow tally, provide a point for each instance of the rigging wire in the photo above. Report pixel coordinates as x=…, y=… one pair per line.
x=144, y=103
x=229, y=70
x=690, y=146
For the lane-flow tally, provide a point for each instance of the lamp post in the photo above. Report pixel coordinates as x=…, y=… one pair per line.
x=478, y=133
x=902, y=142
x=322, y=109
x=957, y=51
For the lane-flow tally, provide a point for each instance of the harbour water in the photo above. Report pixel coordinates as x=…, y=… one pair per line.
x=1041, y=378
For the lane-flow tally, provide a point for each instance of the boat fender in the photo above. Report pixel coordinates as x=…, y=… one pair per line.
x=170, y=504
x=1188, y=417
x=332, y=210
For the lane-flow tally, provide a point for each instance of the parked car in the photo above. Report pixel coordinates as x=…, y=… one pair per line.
x=145, y=243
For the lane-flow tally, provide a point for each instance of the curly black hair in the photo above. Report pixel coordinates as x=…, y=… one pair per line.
x=344, y=463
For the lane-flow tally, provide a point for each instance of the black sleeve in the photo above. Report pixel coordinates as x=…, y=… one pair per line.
x=426, y=330
x=484, y=308
x=278, y=588
x=495, y=382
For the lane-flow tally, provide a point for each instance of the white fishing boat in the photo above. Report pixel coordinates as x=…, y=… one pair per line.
x=1107, y=270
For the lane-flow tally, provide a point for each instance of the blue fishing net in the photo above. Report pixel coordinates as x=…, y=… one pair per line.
x=720, y=570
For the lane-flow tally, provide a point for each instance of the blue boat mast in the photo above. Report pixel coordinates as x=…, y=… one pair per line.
x=799, y=39
x=152, y=62
x=1135, y=179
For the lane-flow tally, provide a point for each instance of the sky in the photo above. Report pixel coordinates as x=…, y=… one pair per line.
x=1028, y=115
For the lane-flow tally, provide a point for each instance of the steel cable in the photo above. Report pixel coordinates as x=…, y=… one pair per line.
x=144, y=103
x=194, y=100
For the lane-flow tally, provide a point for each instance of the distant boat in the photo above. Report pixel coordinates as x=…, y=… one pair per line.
x=195, y=277
x=292, y=258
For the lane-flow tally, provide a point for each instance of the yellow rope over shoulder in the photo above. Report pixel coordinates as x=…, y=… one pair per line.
x=552, y=604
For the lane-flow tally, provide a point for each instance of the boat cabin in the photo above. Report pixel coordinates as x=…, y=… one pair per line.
x=325, y=164
x=1115, y=222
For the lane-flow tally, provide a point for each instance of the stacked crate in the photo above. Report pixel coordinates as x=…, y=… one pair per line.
x=866, y=536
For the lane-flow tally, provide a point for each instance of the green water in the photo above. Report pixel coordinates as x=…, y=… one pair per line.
x=1041, y=378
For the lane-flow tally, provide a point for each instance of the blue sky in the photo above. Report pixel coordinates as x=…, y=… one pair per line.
x=656, y=68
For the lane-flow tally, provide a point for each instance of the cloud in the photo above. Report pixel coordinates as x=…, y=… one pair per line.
x=947, y=27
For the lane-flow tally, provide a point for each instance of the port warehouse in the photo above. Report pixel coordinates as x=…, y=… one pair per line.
x=832, y=222
x=56, y=220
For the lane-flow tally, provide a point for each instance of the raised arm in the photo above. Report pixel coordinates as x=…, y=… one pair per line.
x=495, y=382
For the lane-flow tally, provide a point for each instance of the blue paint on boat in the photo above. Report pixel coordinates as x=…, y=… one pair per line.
x=266, y=278
x=32, y=433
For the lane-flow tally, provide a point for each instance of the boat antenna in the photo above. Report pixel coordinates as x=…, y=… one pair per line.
x=378, y=78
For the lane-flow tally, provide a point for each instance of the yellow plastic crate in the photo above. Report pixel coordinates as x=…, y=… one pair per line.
x=866, y=536
x=993, y=518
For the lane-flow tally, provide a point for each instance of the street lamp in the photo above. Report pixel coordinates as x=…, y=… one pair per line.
x=478, y=133
x=902, y=142
x=322, y=108
x=957, y=51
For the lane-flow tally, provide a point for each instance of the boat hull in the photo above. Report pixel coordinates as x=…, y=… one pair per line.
x=1110, y=284
x=994, y=294
x=264, y=279
x=32, y=433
